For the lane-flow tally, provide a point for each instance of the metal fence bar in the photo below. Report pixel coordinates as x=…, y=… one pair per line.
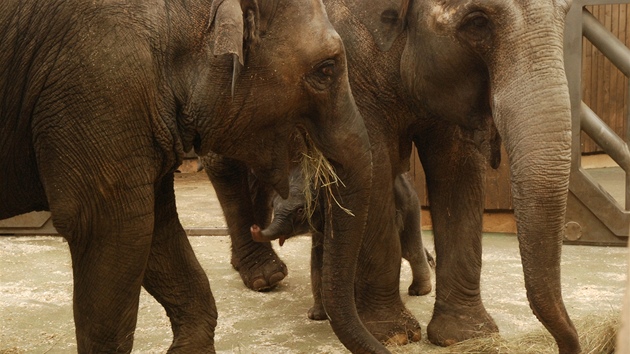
x=606, y=42
x=600, y=220
x=617, y=52
x=605, y=137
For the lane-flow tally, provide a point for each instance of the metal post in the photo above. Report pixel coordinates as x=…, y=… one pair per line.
x=606, y=42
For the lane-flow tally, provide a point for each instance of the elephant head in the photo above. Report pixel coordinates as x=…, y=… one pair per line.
x=278, y=81
x=503, y=61
x=292, y=216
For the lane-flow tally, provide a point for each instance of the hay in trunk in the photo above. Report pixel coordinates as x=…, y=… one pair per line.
x=597, y=336
x=319, y=175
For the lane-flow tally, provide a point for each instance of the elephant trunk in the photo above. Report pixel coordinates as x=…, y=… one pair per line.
x=344, y=230
x=531, y=109
x=260, y=235
x=281, y=228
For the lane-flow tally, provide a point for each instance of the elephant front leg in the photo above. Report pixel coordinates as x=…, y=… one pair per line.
x=177, y=281
x=454, y=174
x=244, y=205
x=107, y=280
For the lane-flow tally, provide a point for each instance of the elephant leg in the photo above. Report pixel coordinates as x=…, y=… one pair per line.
x=317, y=312
x=105, y=212
x=454, y=171
x=107, y=280
x=413, y=251
x=109, y=240
x=176, y=280
x=377, y=284
x=106, y=294
x=243, y=206
x=378, y=300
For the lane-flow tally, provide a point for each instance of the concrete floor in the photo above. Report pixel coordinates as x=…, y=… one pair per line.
x=36, y=285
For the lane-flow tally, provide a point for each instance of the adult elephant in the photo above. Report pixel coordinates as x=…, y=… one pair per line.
x=100, y=100
x=456, y=76
x=466, y=67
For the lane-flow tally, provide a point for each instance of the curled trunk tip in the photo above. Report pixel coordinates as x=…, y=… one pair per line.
x=257, y=234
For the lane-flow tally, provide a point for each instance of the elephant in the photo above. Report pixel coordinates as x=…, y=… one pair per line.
x=99, y=101
x=296, y=216
x=457, y=78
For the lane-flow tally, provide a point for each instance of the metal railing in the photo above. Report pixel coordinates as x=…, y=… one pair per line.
x=593, y=215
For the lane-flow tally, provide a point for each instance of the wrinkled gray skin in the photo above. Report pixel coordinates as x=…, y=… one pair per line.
x=100, y=100
x=290, y=218
x=449, y=75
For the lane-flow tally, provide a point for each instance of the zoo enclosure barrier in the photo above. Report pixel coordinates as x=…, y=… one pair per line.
x=593, y=215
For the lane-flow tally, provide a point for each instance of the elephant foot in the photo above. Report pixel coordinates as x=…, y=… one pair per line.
x=393, y=327
x=452, y=324
x=317, y=312
x=421, y=271
x=419, y=287
x=260, y=270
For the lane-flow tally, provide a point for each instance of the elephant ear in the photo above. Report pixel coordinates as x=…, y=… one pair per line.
x=226, y=27
x=385, y=19
x=230, y=34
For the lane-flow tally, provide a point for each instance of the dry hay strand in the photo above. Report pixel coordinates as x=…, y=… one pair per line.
x=597, y=336
x=318, y=175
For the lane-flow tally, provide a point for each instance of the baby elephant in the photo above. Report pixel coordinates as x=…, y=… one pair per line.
x=291, y=219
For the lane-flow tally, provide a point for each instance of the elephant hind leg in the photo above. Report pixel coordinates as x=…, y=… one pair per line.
x=177, y=281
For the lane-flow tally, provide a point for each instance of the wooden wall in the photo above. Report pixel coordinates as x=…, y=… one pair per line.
x=604, y=87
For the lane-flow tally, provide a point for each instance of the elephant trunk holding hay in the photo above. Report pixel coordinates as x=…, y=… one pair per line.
x=100, y=100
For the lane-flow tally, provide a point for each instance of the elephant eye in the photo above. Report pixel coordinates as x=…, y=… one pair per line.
x=478, y=20
x=476, y=29
x=300, y=211
x=323, y=74
x=327, y=68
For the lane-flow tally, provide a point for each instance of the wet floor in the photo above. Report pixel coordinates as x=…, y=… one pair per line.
x=36, y=285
